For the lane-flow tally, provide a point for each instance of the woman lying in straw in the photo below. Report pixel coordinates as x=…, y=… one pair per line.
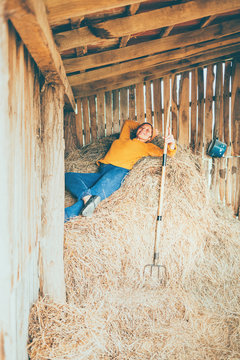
x=90, y=189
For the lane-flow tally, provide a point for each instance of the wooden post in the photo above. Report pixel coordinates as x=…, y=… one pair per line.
x=52, y=234
x=6, y=340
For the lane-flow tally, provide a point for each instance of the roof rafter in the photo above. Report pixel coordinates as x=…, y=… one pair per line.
x=155, y=19
x=30, y=20
x=155, y=72
x=151, y=47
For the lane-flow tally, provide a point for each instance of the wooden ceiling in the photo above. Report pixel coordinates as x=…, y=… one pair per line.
x=109, y=44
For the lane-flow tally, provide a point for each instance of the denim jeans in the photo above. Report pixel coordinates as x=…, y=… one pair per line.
x=103, y=183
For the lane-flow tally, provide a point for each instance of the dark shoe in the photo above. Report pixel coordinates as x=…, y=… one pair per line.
x=90, y=205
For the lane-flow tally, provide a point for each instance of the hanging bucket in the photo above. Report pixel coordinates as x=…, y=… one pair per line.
x=216, y=148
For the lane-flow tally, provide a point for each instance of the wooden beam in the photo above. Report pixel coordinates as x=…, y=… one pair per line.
x=145, y=63
x=156, y=19
x=208, y=21
x=155, y=72
x=30, y=20
x=59, y=10
x=155, y=46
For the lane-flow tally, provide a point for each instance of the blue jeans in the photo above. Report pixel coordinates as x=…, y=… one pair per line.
x=103, y=183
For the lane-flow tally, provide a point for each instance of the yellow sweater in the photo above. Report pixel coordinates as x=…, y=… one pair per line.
x=125, y=152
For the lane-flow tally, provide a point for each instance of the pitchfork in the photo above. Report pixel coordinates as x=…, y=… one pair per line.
x=155, y=267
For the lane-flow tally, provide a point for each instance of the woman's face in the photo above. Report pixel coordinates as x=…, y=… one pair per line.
x=144, y=133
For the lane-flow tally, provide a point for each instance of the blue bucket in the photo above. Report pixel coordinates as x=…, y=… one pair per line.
x=216, y=148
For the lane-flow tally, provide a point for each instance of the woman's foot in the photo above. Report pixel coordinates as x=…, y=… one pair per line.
x=90, y=205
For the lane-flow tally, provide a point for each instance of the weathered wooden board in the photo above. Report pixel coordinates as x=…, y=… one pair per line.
x=235, y=120
x=218, y=126
x=124, y=113
x=148, y=92
x=174, y=107
x=200, y=110
x=132, y=105
x=101, y=114
x=228, y=188
x=79, y=125
x=70, y=131
x=209, y=107
x=184, y=110
x=116, y=120
x=167, y=100
x=20, y=190
x=93, y=117
x=194, y=78
x=52, y=171
x=155, y=72
x=140, y=103
x=108, y=97
x=30, y=20
x=157, y=101
x=59, y=10
x=226, y=91
x=85, y=115
x=142, y=22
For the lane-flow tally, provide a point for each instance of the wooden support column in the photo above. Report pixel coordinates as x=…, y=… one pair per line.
x=51, y=246
x=7, y=345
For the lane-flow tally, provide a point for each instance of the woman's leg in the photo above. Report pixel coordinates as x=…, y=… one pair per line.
x=109, y=182
x=78, y=184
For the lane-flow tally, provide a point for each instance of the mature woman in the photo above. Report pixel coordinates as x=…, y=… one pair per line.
x=90, y=189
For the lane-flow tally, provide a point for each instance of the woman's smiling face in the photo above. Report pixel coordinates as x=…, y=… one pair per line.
x=144, y=132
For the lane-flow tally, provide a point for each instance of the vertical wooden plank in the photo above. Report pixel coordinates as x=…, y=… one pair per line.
x=194, y=109
x=93, y=117
x=157, y=102
x=7, y=332
x=108, y=97
x=116, y=122
x=208, y=106
x=100, y=114
x=235, y=106
x=226, y=91
x=132, y=105
x=70, y=135
x=85, y=113
x=222, y=178
x=184, y=110
x=174, y=107
x=218, y=126
x=200, y=110
x=123, y=105
x=237, y=195
x=228, y=187
x=140, y=103
x=166, y=87
x=79, y=126
x=52, y=236
x=148, y=102
x=234, y=183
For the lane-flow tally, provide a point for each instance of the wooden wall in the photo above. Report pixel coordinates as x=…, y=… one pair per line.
x=21, y=200
x=205, y=102
x=32, y=177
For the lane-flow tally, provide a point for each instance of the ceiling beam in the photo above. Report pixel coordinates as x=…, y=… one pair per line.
x=155, y=72
x=30, y=20
x=151, y=47
x=59, y=10
x=149, y=61
x=155, y=19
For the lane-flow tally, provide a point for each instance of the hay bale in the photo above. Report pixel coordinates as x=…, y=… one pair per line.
x=112, y=311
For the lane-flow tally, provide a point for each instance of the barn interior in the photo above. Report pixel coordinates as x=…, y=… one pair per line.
x=71, y=74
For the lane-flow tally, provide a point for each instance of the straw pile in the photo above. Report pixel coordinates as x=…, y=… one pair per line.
x=112, y=310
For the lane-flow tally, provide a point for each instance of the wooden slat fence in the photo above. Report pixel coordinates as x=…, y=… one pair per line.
x=205, y=103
